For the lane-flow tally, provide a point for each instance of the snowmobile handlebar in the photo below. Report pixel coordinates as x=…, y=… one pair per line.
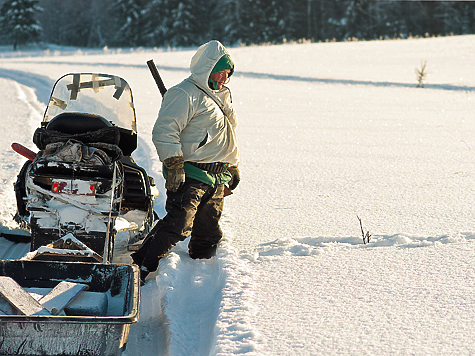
x=25, y=152
x=156, y=76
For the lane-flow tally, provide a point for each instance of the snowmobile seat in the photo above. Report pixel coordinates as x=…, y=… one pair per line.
x=77, y=123
x=87, y=128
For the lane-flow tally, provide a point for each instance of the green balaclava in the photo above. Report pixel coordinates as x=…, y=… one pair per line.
x=225, y=62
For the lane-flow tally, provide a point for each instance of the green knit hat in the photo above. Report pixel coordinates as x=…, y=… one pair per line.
x=225, y=62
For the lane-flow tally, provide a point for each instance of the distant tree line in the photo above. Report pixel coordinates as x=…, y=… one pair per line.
x=181, y=23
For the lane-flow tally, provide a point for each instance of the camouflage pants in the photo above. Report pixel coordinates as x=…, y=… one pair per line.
x=194, y=209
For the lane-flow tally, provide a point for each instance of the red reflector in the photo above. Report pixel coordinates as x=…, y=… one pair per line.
x=55, y=187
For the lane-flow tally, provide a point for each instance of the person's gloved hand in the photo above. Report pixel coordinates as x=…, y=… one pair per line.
x=235, y=177
x=176, y=173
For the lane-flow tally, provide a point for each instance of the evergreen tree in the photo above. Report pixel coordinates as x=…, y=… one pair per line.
x=232, y=19
x=465, y=21
x=223, y=17
x=359, y=22
x=66, y=23
x=249, y=29
x=274, y=24
x=18, y=21
x=131, y=17
x=446, y=19
x=190, y=24
x=155, y=14
x=338, y=20
x=296, y=18
x=410, y=18
x=163, y=10
x=102, y=28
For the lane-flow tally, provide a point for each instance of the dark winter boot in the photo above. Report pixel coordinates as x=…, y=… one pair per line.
x=203, y=252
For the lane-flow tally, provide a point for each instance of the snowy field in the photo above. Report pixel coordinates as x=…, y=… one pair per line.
x=328, y=133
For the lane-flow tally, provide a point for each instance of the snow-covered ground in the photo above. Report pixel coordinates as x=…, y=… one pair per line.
x=328, y=133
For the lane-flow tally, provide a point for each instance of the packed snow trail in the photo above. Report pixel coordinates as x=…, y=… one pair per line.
x=198, y=308
x=21, y=114
x=39, y=85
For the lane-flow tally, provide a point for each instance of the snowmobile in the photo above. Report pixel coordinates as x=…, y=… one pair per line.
x=84, y=181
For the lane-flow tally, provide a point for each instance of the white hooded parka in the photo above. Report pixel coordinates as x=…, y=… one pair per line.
x=195, y=121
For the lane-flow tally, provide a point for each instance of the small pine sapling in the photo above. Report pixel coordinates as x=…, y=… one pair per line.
x=421, y=74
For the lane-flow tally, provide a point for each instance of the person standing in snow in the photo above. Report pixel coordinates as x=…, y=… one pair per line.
x=195, y=139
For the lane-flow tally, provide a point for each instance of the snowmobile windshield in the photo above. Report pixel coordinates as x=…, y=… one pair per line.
x=102, y=94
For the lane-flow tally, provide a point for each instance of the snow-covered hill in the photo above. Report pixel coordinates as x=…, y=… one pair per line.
x=328, y=133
